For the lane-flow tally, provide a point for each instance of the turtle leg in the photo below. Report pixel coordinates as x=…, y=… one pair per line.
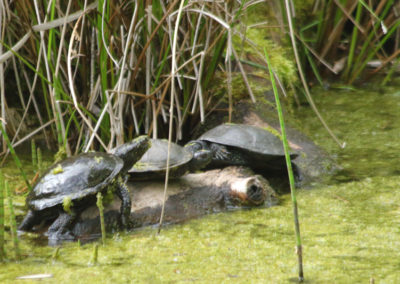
x=123, y=193
x=60, y=229
x=223, y=156
x=30, y=220
x=220, y=152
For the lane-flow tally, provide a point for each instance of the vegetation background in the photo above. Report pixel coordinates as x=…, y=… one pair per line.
x=86, y=75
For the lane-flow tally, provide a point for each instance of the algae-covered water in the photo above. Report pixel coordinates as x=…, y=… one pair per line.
x=350, y=228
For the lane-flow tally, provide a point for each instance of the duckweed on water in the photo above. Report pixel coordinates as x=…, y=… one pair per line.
x=350, y=231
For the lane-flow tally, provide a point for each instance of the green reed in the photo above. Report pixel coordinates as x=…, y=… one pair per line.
x=99, y=204
x=95, y=255
x=39, y=160
x=15, y=157
x=56, y=254
x=34, y=155
x=2, y=241
x=13, y=223
x=286, y=148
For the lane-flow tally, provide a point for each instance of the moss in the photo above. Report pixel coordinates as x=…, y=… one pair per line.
x=60, y=155
x=140, y=165
x=57, y=170
x=67, y=204
x=108, y=195
x=281, y=57
x=350, y=234
x=273, y=131
x=98, y=159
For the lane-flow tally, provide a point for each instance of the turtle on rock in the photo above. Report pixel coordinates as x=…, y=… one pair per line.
x=153, y=164
x=69, y=187
x=245, y=145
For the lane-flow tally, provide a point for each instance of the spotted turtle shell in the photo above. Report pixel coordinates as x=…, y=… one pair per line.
x=75, y=178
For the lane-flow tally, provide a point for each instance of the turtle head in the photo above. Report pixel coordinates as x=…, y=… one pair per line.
x=132, y=151
x=202, y=155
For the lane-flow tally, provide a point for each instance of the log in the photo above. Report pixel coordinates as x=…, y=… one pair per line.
x=190, y=196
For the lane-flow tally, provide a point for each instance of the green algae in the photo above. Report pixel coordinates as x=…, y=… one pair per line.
x=57, y=170
x=67, y=203
x=350, y=230
x=368, y=120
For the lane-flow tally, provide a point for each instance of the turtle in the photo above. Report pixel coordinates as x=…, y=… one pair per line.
x=70, y=186
x=153, y=164
x=245, y=145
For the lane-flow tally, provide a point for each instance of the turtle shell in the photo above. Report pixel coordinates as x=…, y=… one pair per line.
x=74, y=178
x=252, y=139
x=155, y=159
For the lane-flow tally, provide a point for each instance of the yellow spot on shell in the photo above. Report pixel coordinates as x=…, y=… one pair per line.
x=57, y=169
x=98, y=159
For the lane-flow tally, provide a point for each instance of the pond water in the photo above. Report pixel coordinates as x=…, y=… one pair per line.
x=350, y=227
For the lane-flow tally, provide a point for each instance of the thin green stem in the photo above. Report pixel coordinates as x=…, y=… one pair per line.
x=15, y=157
x=290, y=170
x=13, y=223
x=99, y=204
x=353, y=42
x=34, y=156
x=95, y=254
x=2, y=243
x=39, y=160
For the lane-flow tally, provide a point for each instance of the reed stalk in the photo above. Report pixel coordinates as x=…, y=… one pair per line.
x=353, y=42
x=99, y=204
x=2, y=241
x=15, y=157
x=299, y=249
x=133, y=52
x=39, y=160
x=34, y=155
x=391, y=71
x=303, y=79
x=56, y=254
x=13, y=223
x=95, y=254
x=373, y=52
x=171, y=110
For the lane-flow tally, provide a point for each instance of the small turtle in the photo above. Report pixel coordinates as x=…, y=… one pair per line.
x=153, y=164
x=69, y=187
x=244, y=145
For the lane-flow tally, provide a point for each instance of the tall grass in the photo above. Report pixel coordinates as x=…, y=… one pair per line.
x=349, y=35
x=92, y=74
x=2, y=240
x=98, y=72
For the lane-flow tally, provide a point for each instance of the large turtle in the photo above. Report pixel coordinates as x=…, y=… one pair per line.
x=68, y=187
x=244, y=145
x=153, y=164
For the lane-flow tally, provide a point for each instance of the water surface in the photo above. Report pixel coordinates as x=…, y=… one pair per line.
x=350, y=228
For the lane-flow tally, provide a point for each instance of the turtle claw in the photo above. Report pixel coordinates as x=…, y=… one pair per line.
x=220, y=152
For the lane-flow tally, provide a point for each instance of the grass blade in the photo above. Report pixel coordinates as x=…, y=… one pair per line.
x=2, y=243
x=290, y=171
x=13, y=223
